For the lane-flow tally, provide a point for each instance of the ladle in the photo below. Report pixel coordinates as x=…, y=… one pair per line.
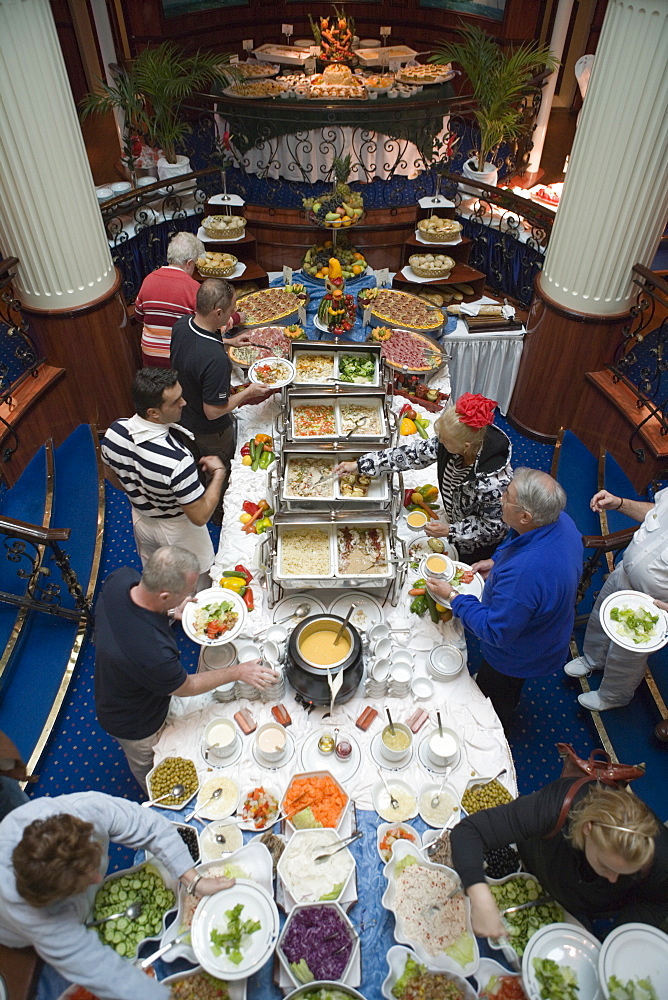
x=392, y=729
x=393, y=802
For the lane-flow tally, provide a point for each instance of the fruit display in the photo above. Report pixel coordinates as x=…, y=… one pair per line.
x=316, y=260
x=336, y=310
x=343, y=207
x=334, y=35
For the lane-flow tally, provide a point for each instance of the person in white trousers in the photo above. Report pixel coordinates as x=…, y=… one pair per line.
x=644, y=567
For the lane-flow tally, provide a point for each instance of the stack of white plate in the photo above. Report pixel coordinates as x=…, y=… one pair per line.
x=445, y=662
x=226, y=692
x=243, y=690
x=277, y=690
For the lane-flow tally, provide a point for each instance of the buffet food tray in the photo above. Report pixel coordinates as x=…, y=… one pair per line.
x=312, y=419
x=290, y=467
x=309, y=551
x=380, y=56
x=284, y=55
x=333, y=360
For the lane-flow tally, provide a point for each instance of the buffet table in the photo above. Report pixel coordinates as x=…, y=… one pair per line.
x=463, y=708
x=484, y=362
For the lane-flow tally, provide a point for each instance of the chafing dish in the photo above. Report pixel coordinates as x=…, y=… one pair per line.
x=332, y=416
x=333, y=355
x=379, y=492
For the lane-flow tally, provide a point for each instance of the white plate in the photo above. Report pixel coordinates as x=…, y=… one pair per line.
x=441, y=962
x=381, y=801
x=256, y=949
x=285, y=379
x=201, y=235
x=247, y=824
x=426, y=760
x=311, y=759
x=420, y=548
x=634, y=951
x=239, y=267
x=570, y=947
x=276, y=765
x=214, y=595
x=634, y=599
x=443, y=243
x=396, y=960
x=475, y=588
x=288, y=604
x=367, y=612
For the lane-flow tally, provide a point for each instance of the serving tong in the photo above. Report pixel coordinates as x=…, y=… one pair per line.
x=345, y=843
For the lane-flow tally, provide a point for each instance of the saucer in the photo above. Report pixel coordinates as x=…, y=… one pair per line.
x=275, y=765
x=388, y=765
x=312, y=760
x=426, y=760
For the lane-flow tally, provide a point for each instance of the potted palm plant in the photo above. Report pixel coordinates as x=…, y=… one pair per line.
x=123, y=95
x=167, y=77
x=500, y=80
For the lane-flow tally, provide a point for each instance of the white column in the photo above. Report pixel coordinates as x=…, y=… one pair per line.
x=615, y=200
x=557, y=42
x=49, y=216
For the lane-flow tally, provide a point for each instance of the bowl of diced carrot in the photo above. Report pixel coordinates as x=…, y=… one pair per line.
x=314, y=799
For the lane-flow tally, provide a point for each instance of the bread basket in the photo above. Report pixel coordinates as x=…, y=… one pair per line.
x=213, y=269
x=224, y=227
x=439, y=267
x=446, y=233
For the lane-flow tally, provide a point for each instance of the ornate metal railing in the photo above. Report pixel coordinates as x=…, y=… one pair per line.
x=26, y=544
x=641, y=359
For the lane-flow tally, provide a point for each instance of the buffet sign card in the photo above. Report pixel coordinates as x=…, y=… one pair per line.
x=382, y=277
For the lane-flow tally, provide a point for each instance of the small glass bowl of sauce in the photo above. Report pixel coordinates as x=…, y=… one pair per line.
x=343, y=749
x=326, y=744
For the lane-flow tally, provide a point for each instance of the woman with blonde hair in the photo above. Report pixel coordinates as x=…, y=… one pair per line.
x=473, y=463
x=606, y=856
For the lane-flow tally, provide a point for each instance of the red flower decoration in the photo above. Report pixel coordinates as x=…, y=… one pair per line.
x=475, y=410
x=226, y=140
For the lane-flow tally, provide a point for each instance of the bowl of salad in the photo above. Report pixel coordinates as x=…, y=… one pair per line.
x=260, y=808
x=388, y=834
x=408, y=978
x=215, y=617
x=357, y=369
x=633, y=621
x=325, y=990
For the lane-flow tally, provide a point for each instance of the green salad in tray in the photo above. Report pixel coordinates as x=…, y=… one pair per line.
x=633, y=989
x=636, y=625
x=357, y=368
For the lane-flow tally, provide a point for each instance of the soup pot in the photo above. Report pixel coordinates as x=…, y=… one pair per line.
x=308, y=677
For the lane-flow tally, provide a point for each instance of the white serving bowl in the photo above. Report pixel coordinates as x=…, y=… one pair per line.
x=297, y=845
x=104, y=193
x=303, y=991
x=270, y=741
x=169, y=881
x=210, y=849
x=379, y=795
x=443, y=750
x=222, y=732
x=121, y=187
x=384, y=828
x=395, y=756
x=422, y=688
x=396, y=960
x=163, y=805
x=317, y=774
x=352, y=935
x=427, y=791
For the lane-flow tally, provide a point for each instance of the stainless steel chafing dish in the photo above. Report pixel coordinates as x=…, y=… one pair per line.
x=334, y=411
x=333, y=530
x=381, y=490
x=331, y=377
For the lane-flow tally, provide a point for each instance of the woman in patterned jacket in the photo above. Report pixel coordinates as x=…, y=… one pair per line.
x=473, y=462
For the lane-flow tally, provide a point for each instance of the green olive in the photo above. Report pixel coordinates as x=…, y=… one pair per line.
x=170, y=772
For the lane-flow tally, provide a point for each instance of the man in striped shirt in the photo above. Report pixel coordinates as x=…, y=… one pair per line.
x=143, y=457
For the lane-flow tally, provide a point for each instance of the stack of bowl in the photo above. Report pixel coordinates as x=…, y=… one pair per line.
x=445, y=662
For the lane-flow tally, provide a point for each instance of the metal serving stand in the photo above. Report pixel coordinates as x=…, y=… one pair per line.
x=379, y=510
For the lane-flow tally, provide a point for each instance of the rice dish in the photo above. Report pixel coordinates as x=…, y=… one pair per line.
x=429, y=918
x=305, y=552
x=368, y=417
x=313, y=367
x=304, y=475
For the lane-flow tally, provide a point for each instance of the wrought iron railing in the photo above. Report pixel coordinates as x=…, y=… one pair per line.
x=641, y=359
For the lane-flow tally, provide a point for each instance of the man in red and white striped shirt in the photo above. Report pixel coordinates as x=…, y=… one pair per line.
x=166, y=295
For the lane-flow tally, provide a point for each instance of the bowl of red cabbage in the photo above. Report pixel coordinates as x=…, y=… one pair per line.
x=322, y=990
x=318, y=942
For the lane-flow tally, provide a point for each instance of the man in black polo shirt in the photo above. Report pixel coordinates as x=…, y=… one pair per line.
x=137, y=662
x=204, y=369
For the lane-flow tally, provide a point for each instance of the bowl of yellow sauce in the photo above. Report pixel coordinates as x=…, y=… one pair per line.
x=318, y=647
x=395, y=742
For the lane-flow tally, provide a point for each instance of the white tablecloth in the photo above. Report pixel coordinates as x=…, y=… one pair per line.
x=463, y=707
x=484, y=362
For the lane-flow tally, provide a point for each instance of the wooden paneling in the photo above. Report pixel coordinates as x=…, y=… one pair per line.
x=560, y=346
x=95, y=346
x=606, y=418
x=283, y=235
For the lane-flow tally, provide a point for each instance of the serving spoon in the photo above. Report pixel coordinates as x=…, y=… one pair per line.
x=393, y=802
x=436, y=797
x=131, y=912
x=217, y=792
x=299, y=612
x=177, y=791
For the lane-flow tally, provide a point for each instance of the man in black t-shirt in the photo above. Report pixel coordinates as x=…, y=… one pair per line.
x=137, y=662
x=198, y=355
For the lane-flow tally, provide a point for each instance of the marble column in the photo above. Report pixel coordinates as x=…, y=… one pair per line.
x=612, y=213
x=50, y=219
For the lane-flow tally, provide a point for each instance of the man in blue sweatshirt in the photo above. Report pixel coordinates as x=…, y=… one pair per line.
x=525, y=616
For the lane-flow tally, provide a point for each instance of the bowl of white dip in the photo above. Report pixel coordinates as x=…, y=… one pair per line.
x=307, y=881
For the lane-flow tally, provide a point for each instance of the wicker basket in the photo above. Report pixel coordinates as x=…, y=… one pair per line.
x=445, y=235
x=210, y=271
x=229, y=233
x=435, y=273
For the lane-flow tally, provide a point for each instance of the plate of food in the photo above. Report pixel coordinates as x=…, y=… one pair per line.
x=217, y=616
x=465, y=581
x=405, y=349
x=633, y=621
x=408, y=978
x=267, y=342
x=388, y=834
x=272, y=372
x=402, y=309
x=234, y=932
x=634, y=958
x=561, y=960
x=426, y=546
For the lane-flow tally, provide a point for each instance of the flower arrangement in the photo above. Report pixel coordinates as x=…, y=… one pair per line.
x=475, y=410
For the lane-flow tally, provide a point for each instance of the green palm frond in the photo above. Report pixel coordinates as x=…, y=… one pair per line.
x=499, y=79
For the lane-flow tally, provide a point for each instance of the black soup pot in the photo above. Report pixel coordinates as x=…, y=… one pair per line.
x=309, y=679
